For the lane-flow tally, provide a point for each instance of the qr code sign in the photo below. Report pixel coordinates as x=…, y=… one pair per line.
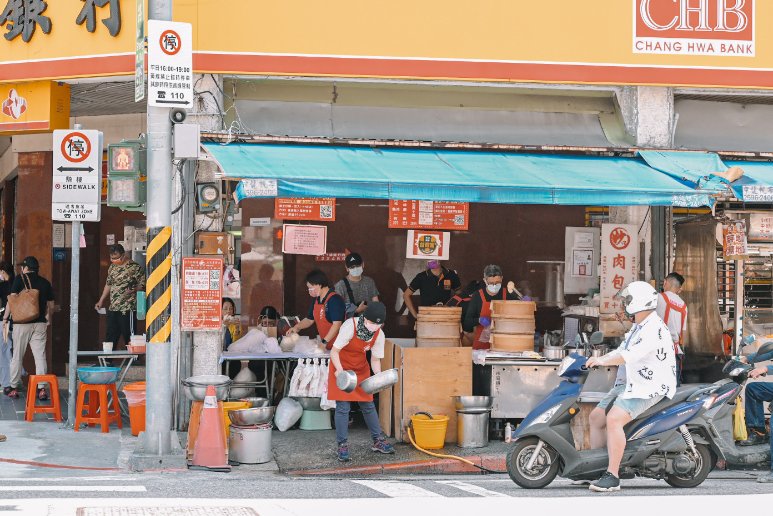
x=326, y=211
x=214, y=280
x=459, y=220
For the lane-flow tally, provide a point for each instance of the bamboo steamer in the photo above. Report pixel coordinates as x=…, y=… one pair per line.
x=438, y=328
x=448, y=311
x=430, y=342
x=513, y=308
x=507, y=342
x=513, y=325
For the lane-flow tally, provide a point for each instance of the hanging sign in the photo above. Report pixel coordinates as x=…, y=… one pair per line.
x=429, y=215
x=201, y=303
x=734, y=240
x=323, y=209
x=302, y=239
x=761, y=227
x=619, y=263
x=77, y=175
x=427, y=245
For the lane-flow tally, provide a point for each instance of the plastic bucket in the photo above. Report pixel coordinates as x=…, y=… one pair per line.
x=228, y=406
x=135, y=398
x=430, y=434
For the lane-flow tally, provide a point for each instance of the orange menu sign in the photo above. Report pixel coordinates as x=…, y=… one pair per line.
x=429, y=215
x=305, y=209
x=201, y=305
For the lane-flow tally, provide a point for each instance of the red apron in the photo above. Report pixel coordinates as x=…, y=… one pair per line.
x=485, y=311
x=352, y=359
x=682, y=310
x=323, y=325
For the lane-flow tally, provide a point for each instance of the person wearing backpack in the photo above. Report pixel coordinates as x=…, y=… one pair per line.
x=33, y=331
x=356, y=289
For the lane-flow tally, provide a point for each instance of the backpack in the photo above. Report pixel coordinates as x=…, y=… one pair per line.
x=463, y=297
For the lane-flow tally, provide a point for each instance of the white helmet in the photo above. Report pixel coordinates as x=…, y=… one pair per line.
x=639, y=296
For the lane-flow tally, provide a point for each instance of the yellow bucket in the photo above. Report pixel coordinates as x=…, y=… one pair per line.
x=228, y=406
x=430, y=434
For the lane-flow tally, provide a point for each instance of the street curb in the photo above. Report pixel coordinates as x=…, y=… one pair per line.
x=418, y=467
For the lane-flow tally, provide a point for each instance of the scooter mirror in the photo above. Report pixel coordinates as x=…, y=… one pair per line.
x=765, y=352
x=598, y=337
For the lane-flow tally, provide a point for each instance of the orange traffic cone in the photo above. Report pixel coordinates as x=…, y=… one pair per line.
x=209, y=450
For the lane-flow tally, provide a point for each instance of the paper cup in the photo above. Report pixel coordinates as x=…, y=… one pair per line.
x=107, y=347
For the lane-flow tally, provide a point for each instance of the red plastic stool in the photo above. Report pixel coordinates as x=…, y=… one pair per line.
x=97, y=394
x=32, y=396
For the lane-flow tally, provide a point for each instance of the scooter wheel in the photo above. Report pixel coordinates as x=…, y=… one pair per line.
x=542, y=472
x=703, y=467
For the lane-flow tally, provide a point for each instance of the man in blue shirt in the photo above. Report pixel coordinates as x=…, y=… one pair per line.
x=756, y=394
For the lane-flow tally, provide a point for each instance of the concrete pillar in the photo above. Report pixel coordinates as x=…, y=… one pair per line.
x=208, y=110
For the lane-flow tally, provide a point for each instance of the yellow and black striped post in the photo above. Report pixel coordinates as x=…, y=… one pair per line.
x=159, y=284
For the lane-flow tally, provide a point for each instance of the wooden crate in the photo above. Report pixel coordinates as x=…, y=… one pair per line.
x=428, y=378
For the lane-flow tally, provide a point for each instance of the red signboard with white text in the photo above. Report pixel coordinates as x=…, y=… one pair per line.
x=201, y=303
x=323, y=209
x=619, y=263
x=429, y=215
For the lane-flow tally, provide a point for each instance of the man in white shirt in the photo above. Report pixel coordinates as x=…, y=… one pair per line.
x=648, y=355
x=673, y=310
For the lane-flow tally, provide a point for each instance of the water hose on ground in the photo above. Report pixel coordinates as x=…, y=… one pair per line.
x=409, y=430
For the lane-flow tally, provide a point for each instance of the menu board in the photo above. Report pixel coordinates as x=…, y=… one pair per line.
x=305, y=209
x=734, y=240
x=619, y=263
x=302, y=239
x=201, y=301
x=429, y=215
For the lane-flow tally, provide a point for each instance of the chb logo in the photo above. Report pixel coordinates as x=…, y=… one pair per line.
x=694, y=27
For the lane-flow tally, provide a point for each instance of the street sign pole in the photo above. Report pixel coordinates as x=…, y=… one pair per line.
x=158, y=447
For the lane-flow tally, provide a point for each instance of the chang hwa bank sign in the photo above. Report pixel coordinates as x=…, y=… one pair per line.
x=694, y=27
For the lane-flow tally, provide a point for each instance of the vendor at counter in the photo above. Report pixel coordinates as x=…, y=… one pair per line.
x=326, y=311
x=480, y=305
x=436, y=286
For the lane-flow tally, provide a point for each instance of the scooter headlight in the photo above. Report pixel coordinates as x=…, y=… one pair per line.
x=566, y=363
x=545, y=416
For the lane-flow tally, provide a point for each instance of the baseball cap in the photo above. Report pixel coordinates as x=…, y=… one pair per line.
x=31, y=263
x=353, y=260
x=376, y=312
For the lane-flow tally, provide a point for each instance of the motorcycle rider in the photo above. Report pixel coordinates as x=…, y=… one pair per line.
x=650, y=363
x=756, y=394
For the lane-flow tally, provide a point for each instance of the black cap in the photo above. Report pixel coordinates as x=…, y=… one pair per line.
x=353, y=260
x=31, y=263
x=376, y=312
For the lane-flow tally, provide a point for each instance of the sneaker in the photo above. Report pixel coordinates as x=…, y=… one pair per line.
x=607, y=482
x=580, y=483
x=766, y=479
x=755, y=437
x=343, y=452
x=380, y=445
x=13, y=393
x=42, y=395
x=6, y=390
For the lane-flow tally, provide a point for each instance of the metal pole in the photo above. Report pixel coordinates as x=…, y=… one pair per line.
x=75, y=274
x=157, y=437
x=739, y=301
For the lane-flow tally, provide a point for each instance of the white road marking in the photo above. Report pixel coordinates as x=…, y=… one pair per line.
x=69, y=479
x=397, y=489
x=81, y=489
x=471, y=488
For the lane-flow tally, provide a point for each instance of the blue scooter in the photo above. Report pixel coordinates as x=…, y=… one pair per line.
x=660, y=444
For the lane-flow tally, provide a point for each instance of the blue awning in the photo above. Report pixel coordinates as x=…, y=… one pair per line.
x=756, y=185
x=694, y=169
x=449, y=175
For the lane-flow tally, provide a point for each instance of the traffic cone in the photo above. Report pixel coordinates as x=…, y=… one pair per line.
x=209, y=450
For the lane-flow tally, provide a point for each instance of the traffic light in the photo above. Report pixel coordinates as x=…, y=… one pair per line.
x=127, y=175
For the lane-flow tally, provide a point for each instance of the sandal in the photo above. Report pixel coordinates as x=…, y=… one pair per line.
x=13, y=393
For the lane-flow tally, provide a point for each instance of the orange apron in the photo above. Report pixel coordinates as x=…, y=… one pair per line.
x=681, y=310
x=485, y=311
x=352, y=359
x=323, y=325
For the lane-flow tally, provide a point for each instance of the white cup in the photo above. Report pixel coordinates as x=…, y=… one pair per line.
x=107, y=347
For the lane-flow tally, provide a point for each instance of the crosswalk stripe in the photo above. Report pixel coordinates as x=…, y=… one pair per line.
x=82, y=489
x=68, y=479
x=397, y=489
x=471, y=488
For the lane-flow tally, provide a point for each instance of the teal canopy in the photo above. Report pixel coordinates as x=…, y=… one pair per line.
x=449, y=175
x=691, y=168
x=756, y=185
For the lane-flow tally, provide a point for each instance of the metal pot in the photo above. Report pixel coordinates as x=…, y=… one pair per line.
x=346, y=381
x=554, y=352
x=598, y=351
x=250, y=445
x=196, y=386
x=380, y=381
x=473, y=404
x=251, y=416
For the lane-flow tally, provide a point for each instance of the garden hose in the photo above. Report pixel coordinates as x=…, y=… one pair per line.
x=409, y=430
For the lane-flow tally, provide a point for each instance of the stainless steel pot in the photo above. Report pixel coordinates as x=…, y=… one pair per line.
x=598, y=351
x=250, y=444
x=380, y=381
x=554, y=352
x=251, y=416
x=346, y=381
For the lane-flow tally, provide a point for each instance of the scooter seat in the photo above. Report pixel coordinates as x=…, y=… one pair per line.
x=682, y=393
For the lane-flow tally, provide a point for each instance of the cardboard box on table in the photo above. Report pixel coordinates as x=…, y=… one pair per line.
x=428, y=378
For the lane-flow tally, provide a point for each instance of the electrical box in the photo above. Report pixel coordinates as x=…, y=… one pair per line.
x=187, y=141
x=208, y=197
x=214, y=243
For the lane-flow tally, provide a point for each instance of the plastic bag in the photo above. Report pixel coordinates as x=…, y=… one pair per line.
x=739, y=421
x=250, y=344
x=311, y=390
x=306, y=377
x=288, y=412
x=272, y=345
x=325, y=404
x=296, y=379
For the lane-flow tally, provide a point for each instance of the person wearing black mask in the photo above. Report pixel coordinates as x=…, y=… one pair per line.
x=478, y=315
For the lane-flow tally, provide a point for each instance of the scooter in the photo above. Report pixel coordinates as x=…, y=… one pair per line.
x=660, y=444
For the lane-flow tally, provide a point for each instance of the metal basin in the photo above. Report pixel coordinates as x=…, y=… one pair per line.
x=196, y=386
x=346, y=381
x=380, y=381
x=251, y=416
x=309, y=403
x=473, y=404
x=255, y=402
x=98, y=375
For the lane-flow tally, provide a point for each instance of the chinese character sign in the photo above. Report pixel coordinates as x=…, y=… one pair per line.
x=200, y=304
x=305, y=209
x=429, y=215
x=734, y=240
x=619, y=262
x=761, y=227
x=301, y=239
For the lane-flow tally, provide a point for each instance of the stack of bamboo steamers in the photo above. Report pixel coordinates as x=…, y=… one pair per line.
x=439, y=327
x=512, y=325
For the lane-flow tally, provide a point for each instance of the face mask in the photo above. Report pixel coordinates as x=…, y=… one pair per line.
x=494, y=289
x=356, y=271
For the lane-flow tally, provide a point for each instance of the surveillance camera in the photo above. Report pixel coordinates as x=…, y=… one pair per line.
x=178, y=115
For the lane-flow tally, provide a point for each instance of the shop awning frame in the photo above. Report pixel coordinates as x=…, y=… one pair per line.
x=452, y=175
